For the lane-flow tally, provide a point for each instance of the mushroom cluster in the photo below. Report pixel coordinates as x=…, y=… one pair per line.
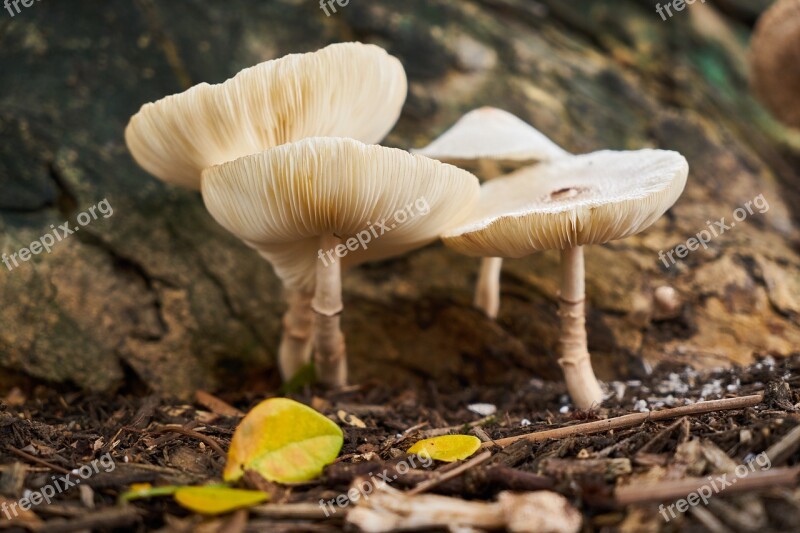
x=491, y=139
x=284, y=155
x=295, y=200
x=280, y=145
x=564, y=205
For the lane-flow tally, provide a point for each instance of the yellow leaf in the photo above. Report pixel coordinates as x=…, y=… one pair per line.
x=218, y=500
x=142, y=491
x=448, y=448
x=284, y=441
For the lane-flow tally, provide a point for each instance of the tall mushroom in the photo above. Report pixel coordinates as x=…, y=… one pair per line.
x=775, y=60
x=489, y=138
x=319, y=206
x=564, y=205
x=270, y=104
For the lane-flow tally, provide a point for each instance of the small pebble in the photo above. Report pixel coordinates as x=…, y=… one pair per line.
x=536, y=383
x=483, y=409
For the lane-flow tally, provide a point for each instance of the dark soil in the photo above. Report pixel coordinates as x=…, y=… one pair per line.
x=44, y=431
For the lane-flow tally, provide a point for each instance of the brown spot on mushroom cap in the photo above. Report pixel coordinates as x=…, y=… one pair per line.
x=566, y=193
x=574, y=201
x=273, y=103
x=775, y=60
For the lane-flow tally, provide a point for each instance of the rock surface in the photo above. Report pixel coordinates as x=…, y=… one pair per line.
x=158, y=294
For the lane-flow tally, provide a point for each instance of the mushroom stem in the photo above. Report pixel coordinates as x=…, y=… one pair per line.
x=488, y=168
x=330, y=356
x=487, y=290
x=297, y=341
x=575, y=362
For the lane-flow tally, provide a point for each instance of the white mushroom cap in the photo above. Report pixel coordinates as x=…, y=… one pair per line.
x=281, y=201
x=345, y=90
x=586, y=199
x=494, y=134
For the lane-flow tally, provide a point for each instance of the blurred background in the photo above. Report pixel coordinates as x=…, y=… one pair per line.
x=159, y=298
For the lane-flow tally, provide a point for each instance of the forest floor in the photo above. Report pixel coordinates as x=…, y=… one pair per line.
x=617, y=478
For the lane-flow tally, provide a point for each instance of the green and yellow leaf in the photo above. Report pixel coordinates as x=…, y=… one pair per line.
x=284, y=441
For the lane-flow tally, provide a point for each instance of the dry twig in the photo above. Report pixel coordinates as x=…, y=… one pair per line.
x=213, y=444
x=450, y=474
x=634, y=419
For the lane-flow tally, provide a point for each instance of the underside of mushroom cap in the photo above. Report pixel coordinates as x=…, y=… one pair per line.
x=282, y=200
x=273, y=103
x=775, y=60
x=491, y=133
x=586, y=199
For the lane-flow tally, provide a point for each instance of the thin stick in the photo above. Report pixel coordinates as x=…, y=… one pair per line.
x=105, y=520
x=575, y=362
x=671, y=490
x=634, y=419
x=194, y=434
x=34, y=459
x=487, y=290
x=307, y=511
x=216, y=405
x=450, y=474
x=711, y=522
x=331, y=357
x=782, y=450
x=661, y=436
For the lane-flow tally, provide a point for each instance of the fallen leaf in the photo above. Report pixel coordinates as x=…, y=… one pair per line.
x=350, y=420
x=447, y=448
x=141, y=491
x=284, y=441
x=214, y=500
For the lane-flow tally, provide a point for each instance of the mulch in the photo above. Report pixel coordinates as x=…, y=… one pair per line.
x=617, y=479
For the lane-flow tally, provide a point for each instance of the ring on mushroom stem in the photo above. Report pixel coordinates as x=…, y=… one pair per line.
x=618, y=195
x=575, y=361
x=270, y=104
x=290, y=202
x=488, y=139
x=296, y=344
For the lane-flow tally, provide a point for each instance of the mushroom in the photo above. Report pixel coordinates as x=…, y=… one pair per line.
x=319, y=206
x=775, y=60
x=488, y=138
x=270, y=104
x=564, y=205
